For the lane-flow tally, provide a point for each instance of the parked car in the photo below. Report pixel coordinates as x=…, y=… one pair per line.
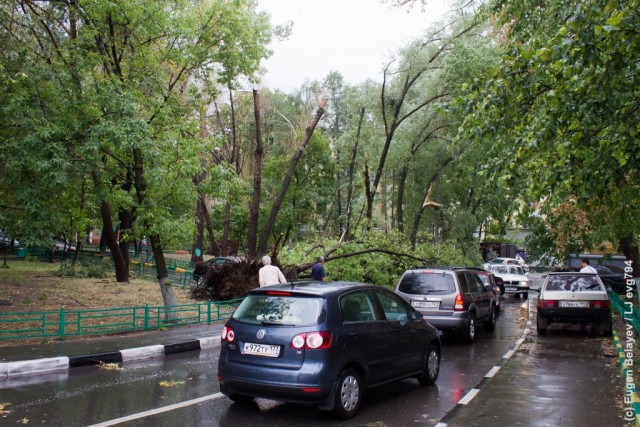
x=62, y=245
x=514, y=278
x=491, y=281
x=324, y=343
x=613, y=279
x=574, y=298
x=500, y=260
x=200, y=270
x=451, y=299
x=6, y=241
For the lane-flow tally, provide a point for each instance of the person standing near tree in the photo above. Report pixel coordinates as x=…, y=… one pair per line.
x=270, y=274
x=317, y=271
x=586, y=268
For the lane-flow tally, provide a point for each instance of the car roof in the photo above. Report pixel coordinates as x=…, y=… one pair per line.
x=570, y=273
x=314, y=287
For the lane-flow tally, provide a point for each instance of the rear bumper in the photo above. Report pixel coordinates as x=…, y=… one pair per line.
x=574, y=314
x=310, y=384
x=457, y=320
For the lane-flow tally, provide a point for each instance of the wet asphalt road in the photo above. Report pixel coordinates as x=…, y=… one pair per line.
x=92, y=395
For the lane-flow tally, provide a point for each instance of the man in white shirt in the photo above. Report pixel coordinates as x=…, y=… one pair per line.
x=586, y=268
x=270, y=274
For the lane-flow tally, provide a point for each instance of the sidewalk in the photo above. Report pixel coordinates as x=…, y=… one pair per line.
x=21, y=360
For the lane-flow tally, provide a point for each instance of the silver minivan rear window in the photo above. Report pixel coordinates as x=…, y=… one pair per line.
x=424, y=283
x=279, y=310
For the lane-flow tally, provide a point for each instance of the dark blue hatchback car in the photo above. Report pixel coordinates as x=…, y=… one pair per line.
x=324, y=343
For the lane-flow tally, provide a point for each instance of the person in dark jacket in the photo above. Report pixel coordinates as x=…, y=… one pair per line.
x=317, y=271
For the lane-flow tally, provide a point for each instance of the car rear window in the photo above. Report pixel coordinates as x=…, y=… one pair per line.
x=424, y=283
x=279, y=310
x=574, y=283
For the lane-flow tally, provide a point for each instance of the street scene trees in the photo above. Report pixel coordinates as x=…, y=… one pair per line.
x=146, y=119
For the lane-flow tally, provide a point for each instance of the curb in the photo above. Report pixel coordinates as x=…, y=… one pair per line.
x=466, y=399
x=55, y=364
x=630, y=391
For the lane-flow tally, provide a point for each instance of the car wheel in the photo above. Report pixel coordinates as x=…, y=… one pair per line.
x=542, y=324
x=525, y=295
x=470, y=332
x=490, y=323
x=607, y=327
x=431, y=366
x=348, y=394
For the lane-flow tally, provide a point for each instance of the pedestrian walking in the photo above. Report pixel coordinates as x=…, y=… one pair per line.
x=586, y=268
x=317, y=271
x=270, y=274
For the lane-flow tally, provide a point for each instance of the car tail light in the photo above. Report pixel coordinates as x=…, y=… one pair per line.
x=459, y=304
x=279, y=293
x=547, y=303
x=228, y=335
x=312, y=340
x=601, y=304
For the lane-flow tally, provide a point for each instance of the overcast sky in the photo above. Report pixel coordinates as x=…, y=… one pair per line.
x=352, y=37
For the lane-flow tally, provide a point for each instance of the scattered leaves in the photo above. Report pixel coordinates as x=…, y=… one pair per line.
x=110, y=366
x=23, y=421
x=2, y=410
x=170, y=383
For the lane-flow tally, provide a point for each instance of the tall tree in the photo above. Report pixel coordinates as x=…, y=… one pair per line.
x=562, y=109
x=129, y=69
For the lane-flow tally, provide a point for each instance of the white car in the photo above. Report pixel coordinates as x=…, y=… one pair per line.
x=514, y=278
x=574, y=298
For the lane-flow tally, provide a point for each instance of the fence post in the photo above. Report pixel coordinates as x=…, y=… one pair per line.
x=208, y=312
x=146, y=317
x=61, y=323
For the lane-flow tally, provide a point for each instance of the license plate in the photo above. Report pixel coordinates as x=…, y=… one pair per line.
x=425, y=304
x=261, y=349
x=574, y=304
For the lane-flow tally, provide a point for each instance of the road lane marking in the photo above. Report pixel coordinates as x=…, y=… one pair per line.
x=158, y=410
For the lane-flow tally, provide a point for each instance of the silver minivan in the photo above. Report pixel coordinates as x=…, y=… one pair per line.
x=450, y=298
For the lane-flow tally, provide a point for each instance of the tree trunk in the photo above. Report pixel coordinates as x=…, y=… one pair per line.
x=404, y=171
x=277, y=203
x=350, y=173
x=198, y=245
x=254, y=209
x=109, y=236
x=162, y=274
x=629, y=247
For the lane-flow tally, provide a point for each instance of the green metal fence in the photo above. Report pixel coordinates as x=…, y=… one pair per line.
x=626, y=310
x=64, y=323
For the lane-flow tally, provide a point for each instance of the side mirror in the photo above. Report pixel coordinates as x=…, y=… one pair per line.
x=416, y=315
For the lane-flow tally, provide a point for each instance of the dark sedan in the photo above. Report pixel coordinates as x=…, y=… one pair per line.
x=324, y=343
x=611, y=279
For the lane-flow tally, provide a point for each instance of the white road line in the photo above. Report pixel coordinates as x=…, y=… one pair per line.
x=492, y=372
x=158, y=410
x=469, y=396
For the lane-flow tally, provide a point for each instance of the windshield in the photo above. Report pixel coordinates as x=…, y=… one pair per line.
x=427, y=283
x=279, y=310
x=507, y=269
x=574, y=283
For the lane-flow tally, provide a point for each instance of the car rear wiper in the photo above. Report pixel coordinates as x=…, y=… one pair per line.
x=268, y=323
